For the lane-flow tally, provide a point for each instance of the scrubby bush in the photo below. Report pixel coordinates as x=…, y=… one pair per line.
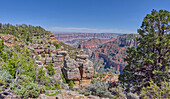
x=49, y=53
x=43, y=55
x=30, y=90
x=98, y=89
x=57, y=85
x=42, y=79
x=37, y=57
x=57, y=45
x=41, y=42
x=25, y=87
x=50, y=69
x=156, y=92
x=5, y=76
x=15, y=39
x=118, y=92
x=5, y=79
x=71, y=84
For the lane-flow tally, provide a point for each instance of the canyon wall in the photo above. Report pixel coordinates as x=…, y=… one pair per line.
x=83, y=36
x=108, y=54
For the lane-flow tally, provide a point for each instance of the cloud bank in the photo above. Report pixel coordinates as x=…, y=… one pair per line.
x=88, y=30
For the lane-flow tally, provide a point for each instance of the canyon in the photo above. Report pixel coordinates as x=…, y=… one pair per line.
x=74, y=38
x=106, y=51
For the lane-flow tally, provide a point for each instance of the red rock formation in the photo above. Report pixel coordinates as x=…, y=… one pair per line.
x=110, y=54
x=92, y=43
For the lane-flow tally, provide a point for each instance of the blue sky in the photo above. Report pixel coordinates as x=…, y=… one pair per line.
x=115, y=16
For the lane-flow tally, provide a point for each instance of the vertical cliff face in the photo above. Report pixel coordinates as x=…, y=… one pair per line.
x=127, y=39
x=112, y=54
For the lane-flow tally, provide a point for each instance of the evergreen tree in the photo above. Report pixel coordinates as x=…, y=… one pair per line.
x=151, y=58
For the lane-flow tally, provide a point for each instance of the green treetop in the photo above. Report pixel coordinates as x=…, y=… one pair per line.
x=150, y=59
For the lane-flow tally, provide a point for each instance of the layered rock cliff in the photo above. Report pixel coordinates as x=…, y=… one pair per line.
x=74, y=38
x=93, y=43
x=80, y=70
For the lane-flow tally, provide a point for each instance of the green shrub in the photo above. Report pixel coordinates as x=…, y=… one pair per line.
x=49, y=53
x=71, y=84
x=63, y=78
x=98, y=89
x=37, y=57
x=57, y=85
x=30, y=90
x=156, y=92
x=50, y=69
x=15, y=39
x=5, y=76
x=41, y=42
x=26, y=88
x=42, y=79
x=43, y=55
x=118, y=92
x=52, y=94
x=26, y=43
x=56, y=45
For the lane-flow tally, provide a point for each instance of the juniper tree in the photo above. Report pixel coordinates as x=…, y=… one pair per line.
x=151, y=58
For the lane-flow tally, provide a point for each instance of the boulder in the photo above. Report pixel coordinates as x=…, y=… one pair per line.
x=86, y=69
x=72, y=74
x=80, y=71
x=82, y=56
x=38, y=62
x=76, y=83
x=58, y=64
x=42, y=59
x=62, y=53
x=47, y=60
x=85, y=81
x=58, y=58
x=70, y=69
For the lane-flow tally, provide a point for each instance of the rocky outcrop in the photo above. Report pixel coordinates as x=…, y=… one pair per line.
x=71, y=69
x=80, y=70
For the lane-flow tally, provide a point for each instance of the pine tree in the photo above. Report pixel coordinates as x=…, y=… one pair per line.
x=151, y=58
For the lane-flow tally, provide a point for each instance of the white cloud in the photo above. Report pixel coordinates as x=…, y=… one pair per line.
x=88, y=30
